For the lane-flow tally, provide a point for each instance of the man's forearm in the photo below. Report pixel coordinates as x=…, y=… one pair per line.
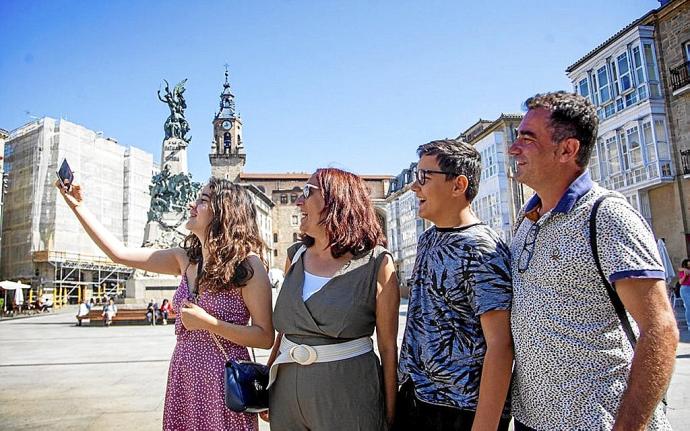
x=650, y=374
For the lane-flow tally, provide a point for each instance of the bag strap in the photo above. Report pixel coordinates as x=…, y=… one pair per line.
x=222, y=350
x=298, y=254
x=613, y=296
x=199, y=270
x=615, y=299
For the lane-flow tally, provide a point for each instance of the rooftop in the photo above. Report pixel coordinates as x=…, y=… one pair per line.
x=619, y=33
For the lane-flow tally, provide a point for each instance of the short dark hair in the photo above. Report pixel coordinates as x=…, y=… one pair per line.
x=684, y=264
x=458, y=158
x=572, y=116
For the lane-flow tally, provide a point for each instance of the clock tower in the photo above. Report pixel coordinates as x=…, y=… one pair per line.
x=227, y=155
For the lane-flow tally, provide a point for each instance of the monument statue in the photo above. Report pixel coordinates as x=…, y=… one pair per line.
x=172, y=189
x=176, y=126
x=171, y=192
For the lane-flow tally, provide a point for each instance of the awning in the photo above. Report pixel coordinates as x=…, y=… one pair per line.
x=17, y=287
x=13, y=285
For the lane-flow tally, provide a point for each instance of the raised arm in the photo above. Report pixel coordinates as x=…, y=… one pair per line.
x=655, y=352
x=167, y=261
x=387, y=309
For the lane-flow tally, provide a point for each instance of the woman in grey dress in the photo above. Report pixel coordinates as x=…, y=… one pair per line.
x=339, y=286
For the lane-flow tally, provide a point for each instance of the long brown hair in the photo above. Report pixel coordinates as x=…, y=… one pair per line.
x=348, y=215
x=230, y=236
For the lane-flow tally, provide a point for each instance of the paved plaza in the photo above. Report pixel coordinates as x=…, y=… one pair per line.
x=57, y=376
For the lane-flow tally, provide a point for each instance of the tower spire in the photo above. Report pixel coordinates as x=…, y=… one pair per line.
x=227, y=155
x=227, y=99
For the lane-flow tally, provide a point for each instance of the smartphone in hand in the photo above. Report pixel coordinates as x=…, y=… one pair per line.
x=65, y=174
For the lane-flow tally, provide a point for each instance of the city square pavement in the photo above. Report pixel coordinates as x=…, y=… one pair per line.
x=54, y=375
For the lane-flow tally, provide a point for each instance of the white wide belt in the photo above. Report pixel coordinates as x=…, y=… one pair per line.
x=306, y=355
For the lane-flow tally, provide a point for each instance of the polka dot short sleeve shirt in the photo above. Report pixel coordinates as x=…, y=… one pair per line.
x=572, y=357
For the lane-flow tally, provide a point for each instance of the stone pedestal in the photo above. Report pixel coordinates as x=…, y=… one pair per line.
x=174, y=155
x=144, y=286
x=169, y=232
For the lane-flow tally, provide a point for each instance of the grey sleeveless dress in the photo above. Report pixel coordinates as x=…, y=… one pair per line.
x=341, y=395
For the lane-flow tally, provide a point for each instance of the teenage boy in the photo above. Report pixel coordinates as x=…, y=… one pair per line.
x=457, y=354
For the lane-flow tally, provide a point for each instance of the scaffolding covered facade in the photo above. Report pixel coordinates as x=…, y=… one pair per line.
x=43, y=242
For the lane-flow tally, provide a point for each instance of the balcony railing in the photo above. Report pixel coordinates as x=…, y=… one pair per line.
x=680, y=76
x=685, y=161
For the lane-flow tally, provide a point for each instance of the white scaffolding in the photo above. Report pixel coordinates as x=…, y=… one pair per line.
x=43, y=243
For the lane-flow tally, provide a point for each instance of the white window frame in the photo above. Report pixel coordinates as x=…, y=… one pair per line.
x=622, y=77
x=624, y=150
x=584, y=81
x=594, y=165
x=640, y=74
x=649, y=142
x=660, y=124
x=612, y=143
x=606, y=87
x=634, y=151
x=651, y=66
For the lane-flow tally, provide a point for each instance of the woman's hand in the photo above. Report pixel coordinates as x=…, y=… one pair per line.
x=196, y=318
x=73, y=196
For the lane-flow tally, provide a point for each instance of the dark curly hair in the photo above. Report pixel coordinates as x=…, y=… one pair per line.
x=231, y=236
x=348, y=214
x=572, y=116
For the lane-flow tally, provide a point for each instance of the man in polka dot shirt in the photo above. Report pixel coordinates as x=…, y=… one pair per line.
x=575, y=368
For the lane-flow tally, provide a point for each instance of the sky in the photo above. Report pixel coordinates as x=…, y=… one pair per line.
x=353, y=84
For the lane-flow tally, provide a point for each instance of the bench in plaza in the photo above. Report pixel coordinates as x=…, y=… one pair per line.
x=125, y=316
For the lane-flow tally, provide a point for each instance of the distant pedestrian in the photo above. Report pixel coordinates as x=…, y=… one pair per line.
x=47, y=303
x=83, y=311
x=223, y=303
x=165, y=310
x=152, y=312
x=109, y=311
x=575, y=368
x=684, y=281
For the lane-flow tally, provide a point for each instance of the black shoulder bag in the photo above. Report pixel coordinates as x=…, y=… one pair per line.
x=245, y=382
x=613, y=296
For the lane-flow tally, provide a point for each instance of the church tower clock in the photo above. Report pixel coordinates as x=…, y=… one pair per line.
x=227, y=155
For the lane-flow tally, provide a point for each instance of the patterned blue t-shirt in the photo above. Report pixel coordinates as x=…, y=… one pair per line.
x=459, y=274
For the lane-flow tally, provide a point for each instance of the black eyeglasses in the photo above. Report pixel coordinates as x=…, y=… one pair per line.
x=306, y=189
x=528, y=248
x=421, y=174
